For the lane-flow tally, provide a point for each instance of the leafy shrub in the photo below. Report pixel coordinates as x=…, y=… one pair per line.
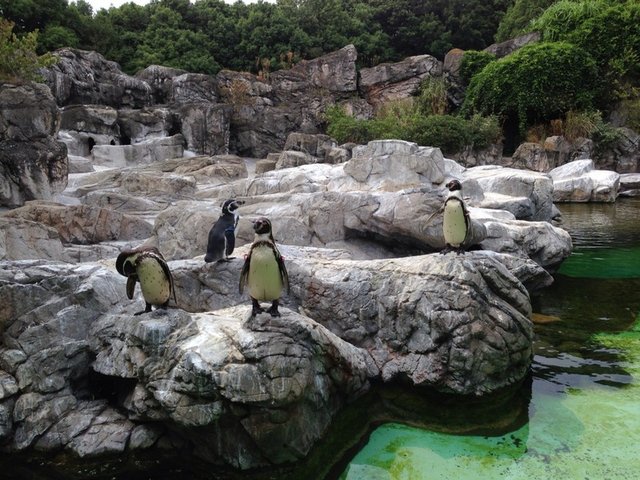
x=533, y=85
x=474, y=61
x=432, y=99
x=448, y=132
x=18, y=59
x=609, y=30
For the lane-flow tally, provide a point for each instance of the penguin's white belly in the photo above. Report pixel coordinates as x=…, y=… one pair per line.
x=264, y=275
x=454, y=226
x=153, y=282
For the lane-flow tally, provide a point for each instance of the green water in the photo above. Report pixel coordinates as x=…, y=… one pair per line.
x=584, y=410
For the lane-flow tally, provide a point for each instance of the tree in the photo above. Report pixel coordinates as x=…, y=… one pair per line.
x=19, y=61
x=518, y=17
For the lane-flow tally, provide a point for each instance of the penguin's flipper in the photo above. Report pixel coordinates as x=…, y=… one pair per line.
x=284, y=275
x=131, y=285
x=244, y=274
x=167, y=272
x=230, y=240
x=467, y=224
x=437, y=212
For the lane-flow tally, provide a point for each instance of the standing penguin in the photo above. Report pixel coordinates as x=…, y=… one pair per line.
x=222, y=236
x=455, y=223
x=264, y=270
x=147, y=266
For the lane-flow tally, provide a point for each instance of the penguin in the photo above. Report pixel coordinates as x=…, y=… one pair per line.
x=264, y=271
x=147, y=266
x=222, y=236
x=455, y=223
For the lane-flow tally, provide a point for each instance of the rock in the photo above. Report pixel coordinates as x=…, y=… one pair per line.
x=83, y=77
x=393, y=81
x=160, y=80
x=83, y=224
x=315, y=145
x=101, y=120
x=528, y=194
x=395, y=164
x=32, y=164
x=622, y=155
x=139, y=125
x=630, y=184
x=22, y=239
x=505, y=48
x=291, y=158
x=148, y=151
x=579, y=182
x=193, y=88
x=266, y=164
x=205, y=127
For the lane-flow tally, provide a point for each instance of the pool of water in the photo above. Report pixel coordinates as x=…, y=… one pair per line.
x=583, y=416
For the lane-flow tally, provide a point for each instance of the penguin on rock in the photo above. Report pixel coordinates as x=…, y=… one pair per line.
x=264, y=271
x=455, y=223
x=222, y=236
x=147, y=266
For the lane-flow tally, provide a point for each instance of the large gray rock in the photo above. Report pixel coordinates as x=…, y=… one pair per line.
x=578, y=181
x=83, y=77
x=205, y=127
x=33, y=165
x=148, y=151
x=160, y=80
x=393, y=81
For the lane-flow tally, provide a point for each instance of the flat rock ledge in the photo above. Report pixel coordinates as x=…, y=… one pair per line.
x=81, y=375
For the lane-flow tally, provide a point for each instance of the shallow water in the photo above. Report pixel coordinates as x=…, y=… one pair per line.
x=584, y=413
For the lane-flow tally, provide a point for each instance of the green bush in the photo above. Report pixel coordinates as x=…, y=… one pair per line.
x=533, y=85
x=18, y=59
x=450, y=133
x=609, y=30
x=473, y=62
x=432, y=99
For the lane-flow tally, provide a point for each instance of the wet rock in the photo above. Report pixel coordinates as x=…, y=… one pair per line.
x=578, y=181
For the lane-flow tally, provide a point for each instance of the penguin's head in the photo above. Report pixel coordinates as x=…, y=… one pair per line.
x=231, y=205
x=454, y=185
x=262, y=226
x=125, y=263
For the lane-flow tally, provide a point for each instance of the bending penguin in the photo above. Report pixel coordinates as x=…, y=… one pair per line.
x=264, y=271
x=147, y=266
x=222, y=236
x=455, y=222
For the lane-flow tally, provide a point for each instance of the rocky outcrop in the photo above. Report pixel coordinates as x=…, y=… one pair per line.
x=579, y=181
x=82, y=77
x=394, y=81
x=33, y=165
x=192, y=379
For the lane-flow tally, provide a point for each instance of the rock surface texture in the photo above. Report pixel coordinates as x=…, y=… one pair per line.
x=83, y=381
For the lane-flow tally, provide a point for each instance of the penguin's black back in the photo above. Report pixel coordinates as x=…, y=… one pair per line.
x=221, y=238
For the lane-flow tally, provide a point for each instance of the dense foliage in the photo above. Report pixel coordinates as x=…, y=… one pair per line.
x=18, y=59
x=535, y=84
x=451, y=133
x=207, y=35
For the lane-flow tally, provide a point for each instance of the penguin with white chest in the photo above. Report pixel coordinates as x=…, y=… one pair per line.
x=147, y=266
x=264, y=271
x=222, y=236
x=455, y=222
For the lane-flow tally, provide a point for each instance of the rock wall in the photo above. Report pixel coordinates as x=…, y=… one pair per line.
x=33, y=165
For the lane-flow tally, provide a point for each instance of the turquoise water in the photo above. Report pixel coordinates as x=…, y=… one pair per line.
x=584, y=413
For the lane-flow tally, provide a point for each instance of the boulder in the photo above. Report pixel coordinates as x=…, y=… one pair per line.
x=22, y=239
x=138, y=125
x=578, y=181
x=622, y=154
x=394, y=81
x=160, y=81
x=318, y=145
x=83, y=77
x=84, y=224
x=503, y=49
x=630, y=184
x=528, y=195
x=193, y=88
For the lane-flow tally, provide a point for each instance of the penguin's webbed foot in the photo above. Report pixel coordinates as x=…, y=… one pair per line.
x=147, y=309
x=459, y=251
x=273, y=309
x=256, y=308
x=446, y=249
